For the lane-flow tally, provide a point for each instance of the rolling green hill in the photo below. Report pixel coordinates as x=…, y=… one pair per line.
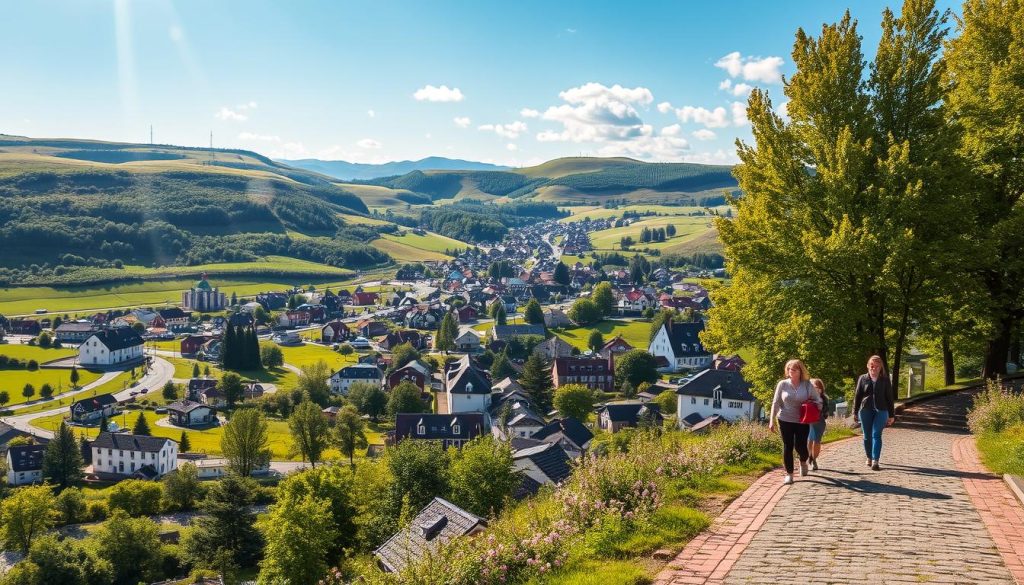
x=69, y=204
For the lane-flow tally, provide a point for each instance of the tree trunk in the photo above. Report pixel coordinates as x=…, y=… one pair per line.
x=947, y=362
x=997, y=348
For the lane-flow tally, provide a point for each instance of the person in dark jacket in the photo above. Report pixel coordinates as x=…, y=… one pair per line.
x=817, y=430
x=874, y=405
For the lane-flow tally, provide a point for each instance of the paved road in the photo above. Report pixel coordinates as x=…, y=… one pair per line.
x=159, y=373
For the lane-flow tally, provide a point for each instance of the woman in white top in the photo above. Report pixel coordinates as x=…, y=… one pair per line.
x=790, y=394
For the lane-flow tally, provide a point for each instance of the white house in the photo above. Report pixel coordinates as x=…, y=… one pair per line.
x=680, y=344
x=217, y=467
x=341, y=380
x=468, y=340
x=635, y=301
x=468, y=389
x=186, y=413
x=25, y=464
x=721, y=392
x=110, y=347
x=134, y=455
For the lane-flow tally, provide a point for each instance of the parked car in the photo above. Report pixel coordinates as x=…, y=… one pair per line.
x=360, y=343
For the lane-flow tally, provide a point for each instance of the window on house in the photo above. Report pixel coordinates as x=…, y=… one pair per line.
x=693, y=400
x=705, y=402
x=457, y=429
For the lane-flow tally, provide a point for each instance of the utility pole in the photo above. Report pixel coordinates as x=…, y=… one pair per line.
x=213, y=155
x=151, y=135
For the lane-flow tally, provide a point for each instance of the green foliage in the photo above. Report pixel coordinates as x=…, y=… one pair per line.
x=536, y=380
x=62, y=461
x=667, y=402
x=447, y=331
x=227, y=524
x=635, y=367
x=561, y=274
x=574, y=400
x=299, y=532
x=71, y=506
x=584, y=312
x=405, y=397
x=313, y=382
x=419, y=471
x=131, y=546
x=141, y=426
x=244, y=442
x=596, y=341
x=65, y=561
x=310, y=431
x=170, y=391
x=995, y=409
x=660, y=318
x=25, y=514
x=332, y=484
x=502, y=368
x=402, y=354
x=604, y=298
x=136, y=497
x=368, y=399
x=271, y=356
x=349, y=432
x=482, y=476
x=533, y=314
x=181, y=487
x=184, y=444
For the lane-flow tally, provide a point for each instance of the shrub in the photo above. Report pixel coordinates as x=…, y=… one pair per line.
x=97, y=511
x=33, y=365
x=995, y=409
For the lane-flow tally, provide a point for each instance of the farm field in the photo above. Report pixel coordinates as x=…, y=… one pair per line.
x=636, y=333
x=593, y=212
x=403, y=252
x=686, y=228
x=13, y=381
x=360, y=220
x=25, y=300
x=430, y=241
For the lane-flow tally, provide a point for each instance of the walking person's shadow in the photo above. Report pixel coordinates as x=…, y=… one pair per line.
x=866, y=486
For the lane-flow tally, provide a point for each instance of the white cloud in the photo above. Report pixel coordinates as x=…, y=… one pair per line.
x=371, y=113
x=595, y=112
x=512, y=130
x=703, y=134
x=673, y=130
x=664, y=107
x=667, y=145
x=783, y=110
x=368, y=143
x=430, y=93
x=252, y=137
x=741, y=89
x=725, y=84
x=462, y=122
x=766, y=70
x=717, y=118
x=529, y=113
x=595, y=91
x=739, y=114
x=227, y=113
x=718, y=157
x=511, y=146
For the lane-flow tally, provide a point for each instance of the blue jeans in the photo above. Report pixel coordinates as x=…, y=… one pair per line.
x=872, y=422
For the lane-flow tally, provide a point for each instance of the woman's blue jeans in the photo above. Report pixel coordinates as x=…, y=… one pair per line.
x=872, y=422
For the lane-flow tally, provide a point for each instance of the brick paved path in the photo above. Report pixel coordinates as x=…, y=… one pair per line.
x=912, y=522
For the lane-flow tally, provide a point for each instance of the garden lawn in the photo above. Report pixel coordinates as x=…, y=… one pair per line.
x=33, y=352
x=117, y=384
x=1003, y=452
x=636, y=333
x=309, y=354
x=285, y=380
x=429, y=241
x=13, y=381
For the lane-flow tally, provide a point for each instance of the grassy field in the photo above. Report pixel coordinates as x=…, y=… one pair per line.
x=636, y=333
x=285, y=380
x=1003, y=452
x=686, y=227
x=403, y=252
x=309, y=354
x=360, y=220
x=580, y=212
x=33, y=352
x=13, y=381
x=117, y=384
x=25, y=300
x=429, y=241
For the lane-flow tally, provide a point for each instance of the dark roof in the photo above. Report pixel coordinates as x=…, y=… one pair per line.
x=628, y=412
x=172, y=313
x=519, y=443
x=685, y=333
x=199, y=384
x=93, y=403
x=359, y=372
x=568, y=427
x=119, y=338
x=692, y=419
x=437, y=523
x=551, y=459
x=707, y=423
x=439, y=426
x=505, y=331
x=527, y=487
x=704, y=384
x=571, y=366
x=74, y=326
x=185, y=406
x=465, y=378
x=129, y=442
x=26, y=457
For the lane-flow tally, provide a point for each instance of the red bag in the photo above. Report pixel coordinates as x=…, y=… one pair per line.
x=809, y=412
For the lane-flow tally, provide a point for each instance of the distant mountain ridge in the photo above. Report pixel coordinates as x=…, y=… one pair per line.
x=347, y=171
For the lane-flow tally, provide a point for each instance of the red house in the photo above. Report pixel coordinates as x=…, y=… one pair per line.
x=23, y=326
x=465, y=314
x=594, y=373
x=362, y=298
x=414, y=372
x=190, y=345
x=334, y=332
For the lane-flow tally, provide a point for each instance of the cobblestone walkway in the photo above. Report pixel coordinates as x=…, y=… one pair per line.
x=912, y=522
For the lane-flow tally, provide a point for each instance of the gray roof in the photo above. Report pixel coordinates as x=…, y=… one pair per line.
x=685, y=333
x=732, y=384
x=550, y=458
x=465, y=378
x=74, y=326
x=93, y=403
x=359, y=372
x=186, y=406
x=567, y=427
x=129, y=442
x=629, y=412
x=119, y=338
x=436, y=524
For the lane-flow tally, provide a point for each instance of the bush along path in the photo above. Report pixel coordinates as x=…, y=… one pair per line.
x=933, y=514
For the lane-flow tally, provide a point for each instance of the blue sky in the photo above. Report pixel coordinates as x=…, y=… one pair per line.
x=507, y=82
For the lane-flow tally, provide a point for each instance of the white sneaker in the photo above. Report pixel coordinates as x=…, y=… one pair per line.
x=803, y=469
x=788, y=480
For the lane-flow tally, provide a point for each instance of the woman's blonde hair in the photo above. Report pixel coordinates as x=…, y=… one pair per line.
x=877, y=358
x=818, y=384
x=804, y=374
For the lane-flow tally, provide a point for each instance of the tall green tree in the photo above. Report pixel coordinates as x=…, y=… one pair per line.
x=227, y=524
x=62, y=461
x=447, y=332
x=25, y=514
x=314, y=382
x=502, y=368
x=536, y=379
x=603, y=296
x=181, y=487
x=405, y=397
x=74, y=377
x=310, y=431
x=500, y=317
x=245, y=441
x=232, y=388
x=574, y=400
x=131, y=546
x=299, y=534
x=141, y=426
x=636, y=366
x=402, y=354
x=184, y=444
x=482, y=476
x=533, y=314
x=985, y=87
x=349, y=432
x=838, y=264
x=596, y=341
x=561, y=274
x=584, y=312
x=368, y=399
x=419, y=471
x=334, y=484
